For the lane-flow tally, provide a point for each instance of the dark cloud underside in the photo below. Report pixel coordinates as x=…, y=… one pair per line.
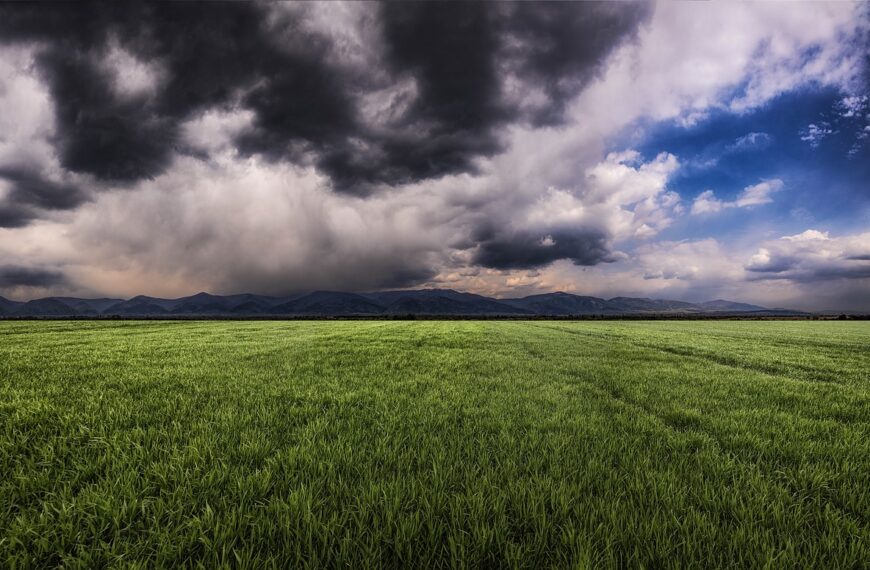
x=527, y=250
x=15, y=216
x=17, y=276
x=100, y=134
x=808, y=272
x=560, y=48
x=253, y=56
x=29, y=192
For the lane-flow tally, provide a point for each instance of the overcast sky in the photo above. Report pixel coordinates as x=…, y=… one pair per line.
x=684, y=150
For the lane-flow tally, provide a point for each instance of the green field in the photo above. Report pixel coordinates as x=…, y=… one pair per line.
x=435, y=444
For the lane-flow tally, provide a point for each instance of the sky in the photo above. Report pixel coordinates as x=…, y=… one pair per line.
x=679, y=150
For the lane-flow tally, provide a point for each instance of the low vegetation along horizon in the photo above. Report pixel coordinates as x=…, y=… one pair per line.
x=434, y=444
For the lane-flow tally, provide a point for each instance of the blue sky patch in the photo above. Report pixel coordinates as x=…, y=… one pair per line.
x=809, y=138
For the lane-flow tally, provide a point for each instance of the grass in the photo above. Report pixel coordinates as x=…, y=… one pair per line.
x=435, y=444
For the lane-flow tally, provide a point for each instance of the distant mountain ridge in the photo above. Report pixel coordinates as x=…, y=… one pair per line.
x=429, y=302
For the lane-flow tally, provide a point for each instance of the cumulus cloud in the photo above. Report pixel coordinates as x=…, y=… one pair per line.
x=808, y=271
x=619, y=198
x=813, y=256
x=707, y=203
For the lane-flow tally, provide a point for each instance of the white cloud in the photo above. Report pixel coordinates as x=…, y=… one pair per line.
x=624, y=180
x=758, y=194
x=751, y=141
x=853, y=106
x=700, y=260
x=693, y=56
x=813, y=256
x=814, y=134
x=622, y=195
x=707, y=203
x=808, y=235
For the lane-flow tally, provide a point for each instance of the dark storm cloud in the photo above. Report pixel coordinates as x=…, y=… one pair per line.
x=528, y=250
x=18, y=276
x=29, y=192
x=406, y=277
x=15, y=216
x=212, y=55
x=260, y=58
x=449, y=48
x=458, y=54
x=98, y=132
x=560, y=47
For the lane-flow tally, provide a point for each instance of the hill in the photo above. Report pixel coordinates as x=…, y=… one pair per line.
x=424, y=302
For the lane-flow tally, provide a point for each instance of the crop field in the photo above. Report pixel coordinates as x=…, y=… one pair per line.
x=435, y=444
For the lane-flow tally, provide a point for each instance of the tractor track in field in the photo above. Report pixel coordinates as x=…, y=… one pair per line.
x=723, y=447
x=707, y=357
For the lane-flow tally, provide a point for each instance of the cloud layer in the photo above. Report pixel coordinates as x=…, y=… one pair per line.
x=813, y=256
x=166, y=148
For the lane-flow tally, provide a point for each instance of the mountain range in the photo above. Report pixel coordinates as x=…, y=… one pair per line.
x=386, y=303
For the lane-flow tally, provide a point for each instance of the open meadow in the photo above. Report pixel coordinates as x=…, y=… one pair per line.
x=435, y=444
